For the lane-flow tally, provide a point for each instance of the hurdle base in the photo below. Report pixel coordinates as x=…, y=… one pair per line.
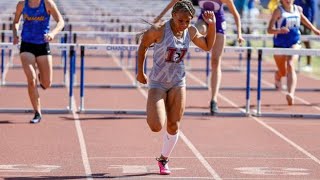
x=143, y=113
x=287, y=115
x=20, y=84
x=114, y=112
x=111, y=86
x=217, y=114
x=43, y=111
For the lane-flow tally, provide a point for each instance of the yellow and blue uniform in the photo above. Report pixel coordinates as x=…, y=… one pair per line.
x=35, y=26
x=36, y=23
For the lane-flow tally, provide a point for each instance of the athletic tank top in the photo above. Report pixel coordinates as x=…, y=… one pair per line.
x=213, y=5
x=291, y=20
x=35, y=23
x=168, y=57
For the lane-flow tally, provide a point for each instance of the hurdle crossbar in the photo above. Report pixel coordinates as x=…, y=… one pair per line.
x=43, y=111
x=143, y=113
x=129, y=47
x=69, y=47
x=280, y=51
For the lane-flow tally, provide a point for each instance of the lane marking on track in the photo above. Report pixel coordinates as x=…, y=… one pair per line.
x=274, y=171
x=184, y=138
x=305, y=152
x=139, y=169
x=199, y=156
x=123, y=69
x=208, y=157
x=193, y=77
x=82, y=143
x=22, y=168
x=315, y=159
x=83, y=147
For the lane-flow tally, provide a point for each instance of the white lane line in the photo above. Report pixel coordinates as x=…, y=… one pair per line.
x=23, y=168
x=199, y=156
x=207, y=157
x=305, y=152
x=83, y=147
x=186, y=141
x=193, y=77
x=123, y=69
x=82, y=143
x=287, y=140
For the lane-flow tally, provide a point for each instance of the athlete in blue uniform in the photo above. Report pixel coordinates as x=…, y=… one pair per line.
x=167, y=87
x=34, y=48
x=216, y=54
x=285, y=24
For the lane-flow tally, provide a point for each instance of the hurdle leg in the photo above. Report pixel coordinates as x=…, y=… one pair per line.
x=259, y=82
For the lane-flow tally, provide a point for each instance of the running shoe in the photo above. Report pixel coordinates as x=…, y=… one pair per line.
x=277, y=81
x=163, y=166
x=290, y=99
x=307, y=68
x=213, y=107
x=36, y=119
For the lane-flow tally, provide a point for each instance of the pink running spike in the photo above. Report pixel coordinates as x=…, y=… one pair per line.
x=163, y=166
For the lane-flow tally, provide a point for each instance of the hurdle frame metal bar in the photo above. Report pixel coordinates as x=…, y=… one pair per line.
x=59, y=46
x=117, y=47
x=104, y=47
x=71, y=48
x=63, y=36
x=281, y=51
x=2, y=47
x=63, y=47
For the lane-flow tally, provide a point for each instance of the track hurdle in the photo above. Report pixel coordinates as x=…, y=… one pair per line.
x=228, y=49
x=53, y=46
x=119, y=47
x=268, y=37
x=106, y=48
x=68, y=47
x=3, y=47
x=62, y=37
x=281, y=51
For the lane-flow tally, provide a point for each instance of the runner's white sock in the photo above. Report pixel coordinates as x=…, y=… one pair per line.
x=169, y=141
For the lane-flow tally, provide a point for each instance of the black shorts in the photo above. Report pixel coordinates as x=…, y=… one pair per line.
x=35, y=49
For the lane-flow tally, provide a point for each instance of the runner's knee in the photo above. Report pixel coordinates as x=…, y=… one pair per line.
x=46, y=84
x=155, y=127
x=172, y=127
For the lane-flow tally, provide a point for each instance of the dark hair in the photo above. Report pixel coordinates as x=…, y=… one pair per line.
x=195, y=2
x=184, y=6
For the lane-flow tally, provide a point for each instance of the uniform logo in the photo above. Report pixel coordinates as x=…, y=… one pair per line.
x=34, y=18
x=175, y=55
x=291, y=22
